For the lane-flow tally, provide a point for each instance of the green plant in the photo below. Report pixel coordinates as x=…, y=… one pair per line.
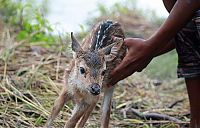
x=28, y=20
x=152, y=17
x=118, y=8
x=163, y=67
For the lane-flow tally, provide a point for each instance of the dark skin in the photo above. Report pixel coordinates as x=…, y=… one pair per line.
x=141, y=52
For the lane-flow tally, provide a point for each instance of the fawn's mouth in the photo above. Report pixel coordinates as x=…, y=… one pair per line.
x=95, y=89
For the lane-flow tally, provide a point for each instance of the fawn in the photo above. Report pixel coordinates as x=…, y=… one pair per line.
x=89, y=72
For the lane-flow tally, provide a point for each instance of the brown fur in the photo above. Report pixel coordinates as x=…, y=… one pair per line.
x=77, y=84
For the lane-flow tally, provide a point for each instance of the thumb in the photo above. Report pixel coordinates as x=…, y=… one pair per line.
x=130, y=41
x=127, y=41
x=121, y=66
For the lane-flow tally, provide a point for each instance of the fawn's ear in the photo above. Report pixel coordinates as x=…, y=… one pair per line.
x=75, y=44
x=111, y=51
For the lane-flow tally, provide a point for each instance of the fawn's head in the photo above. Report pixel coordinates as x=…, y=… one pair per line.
x=90, y=65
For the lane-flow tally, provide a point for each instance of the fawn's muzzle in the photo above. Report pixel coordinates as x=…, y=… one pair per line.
x=95, y=89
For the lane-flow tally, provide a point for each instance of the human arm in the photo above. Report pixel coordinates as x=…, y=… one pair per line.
x=140, y=52
x=181, y=13
x=136, y=44
x=170, y=45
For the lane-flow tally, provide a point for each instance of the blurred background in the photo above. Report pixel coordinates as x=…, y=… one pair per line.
x=70, y=14
x=35, y=50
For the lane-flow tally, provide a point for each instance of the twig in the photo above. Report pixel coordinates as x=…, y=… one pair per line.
x=152, y=116
x=155, y=116
x=5, y=70
x=58, y=66
x=176, y=102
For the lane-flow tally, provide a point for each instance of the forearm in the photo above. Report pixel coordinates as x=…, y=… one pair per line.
x=180, y=14
x=165, y=48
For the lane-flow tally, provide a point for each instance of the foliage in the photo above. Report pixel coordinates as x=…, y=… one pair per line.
x=8, y=10
x=152, y=17
x=127, y=8
x=163, y=67
x=118, y=8
x=28, y=20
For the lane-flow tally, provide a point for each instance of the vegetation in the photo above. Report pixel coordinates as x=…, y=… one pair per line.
x=32, y=62
x=27, y=20
x=163, y=67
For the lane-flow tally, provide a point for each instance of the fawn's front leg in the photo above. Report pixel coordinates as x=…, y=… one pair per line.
x=58, y=104
x=105, y=117
x=86, y=115
x=78, y=112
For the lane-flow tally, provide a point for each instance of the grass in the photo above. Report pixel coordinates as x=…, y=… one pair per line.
x=163, y=67
x=32, y=80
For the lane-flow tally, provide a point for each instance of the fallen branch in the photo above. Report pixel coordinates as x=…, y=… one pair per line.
x=151, y=116
x=127, y=123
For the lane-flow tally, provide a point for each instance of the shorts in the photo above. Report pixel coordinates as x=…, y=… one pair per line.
x=188, y=49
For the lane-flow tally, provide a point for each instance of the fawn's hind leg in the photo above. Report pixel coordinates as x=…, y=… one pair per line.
x=86, y=115
x=78, y=112
x=58, y=104
x=105, y=117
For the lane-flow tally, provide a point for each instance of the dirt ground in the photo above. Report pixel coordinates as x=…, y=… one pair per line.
x=31, y=78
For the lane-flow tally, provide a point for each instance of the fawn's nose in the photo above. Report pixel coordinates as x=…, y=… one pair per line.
x=95, y=89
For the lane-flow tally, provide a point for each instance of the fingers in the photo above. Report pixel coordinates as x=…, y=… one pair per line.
x=125, y=62
x=128, y=41
x=123, y=72
x=120, y=76
x=135, y=60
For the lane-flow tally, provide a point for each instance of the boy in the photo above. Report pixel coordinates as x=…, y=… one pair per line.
x=181, y=30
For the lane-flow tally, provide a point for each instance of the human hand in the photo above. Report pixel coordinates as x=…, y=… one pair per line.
x=137, y=58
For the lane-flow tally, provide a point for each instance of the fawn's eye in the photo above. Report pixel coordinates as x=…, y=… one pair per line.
x=82, y=70
x=103, y=72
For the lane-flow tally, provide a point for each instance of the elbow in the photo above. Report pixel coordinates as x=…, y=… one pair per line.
x=194, y=2
x=194, y=5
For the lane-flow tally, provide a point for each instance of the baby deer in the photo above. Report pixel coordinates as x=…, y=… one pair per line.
x=89, y=73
